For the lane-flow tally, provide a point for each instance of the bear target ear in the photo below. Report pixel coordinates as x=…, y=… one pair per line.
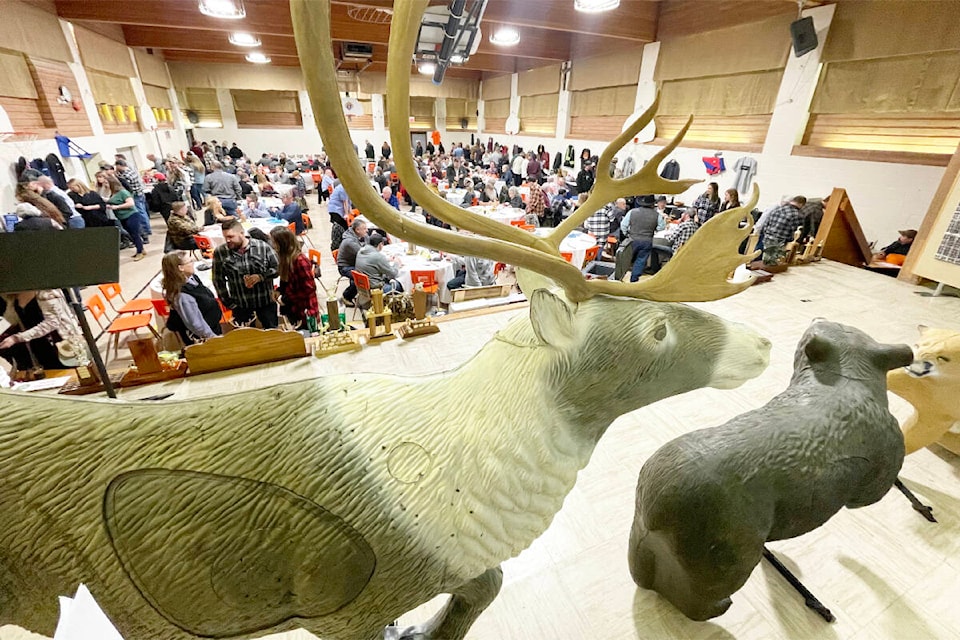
x=818, y=349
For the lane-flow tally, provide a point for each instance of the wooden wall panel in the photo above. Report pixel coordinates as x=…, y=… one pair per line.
x=745, y=133
x=685, y=17
x=24, y=114
x=595, y=127
x=495, y=125
x=49, y=76
x=268, y=120
x=915, y=133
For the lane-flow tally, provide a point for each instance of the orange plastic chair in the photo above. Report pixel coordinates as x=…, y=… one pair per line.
x=113, y=290
x=427, y=278
x=204, y=245
x=517, y=223
x=336, y=285
x=315, y=258
x=122, y=324
x=162, y=310
x=592, y=253
x=567, y=255
x=362, y=282
x=306, y=225
x=227, y=313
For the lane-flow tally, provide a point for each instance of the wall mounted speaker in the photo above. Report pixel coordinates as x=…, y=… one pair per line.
x=804, y=36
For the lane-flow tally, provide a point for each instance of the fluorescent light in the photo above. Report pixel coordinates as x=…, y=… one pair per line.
x=257, y=57
x=595, y=6
x=505, y=37
x=427, y=68
x=209, y=124
x=457, y=59
x=244, y=40
x=227, y=9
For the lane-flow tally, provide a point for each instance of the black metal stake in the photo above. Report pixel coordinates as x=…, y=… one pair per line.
x=74, y=298
x=925, y=510
x=808, y=598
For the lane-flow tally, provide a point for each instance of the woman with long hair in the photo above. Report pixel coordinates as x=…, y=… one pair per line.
x=731, y=200
x=214, y=213
x=100, y=184
x=47, y=209
x=90, y=204
x=197, y=173
x=123, y=207
x=42, y=331
x=194, y=311
x=708, y=203
x=298, y=290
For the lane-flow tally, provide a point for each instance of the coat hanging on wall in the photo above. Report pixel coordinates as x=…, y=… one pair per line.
x=569, y=159
x=671, y=170
x=744, y=170
x=714, y=164
x=57, y=172
x=557, y=161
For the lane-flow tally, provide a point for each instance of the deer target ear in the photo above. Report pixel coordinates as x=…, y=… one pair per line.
x=818, y=349
x=551, y=317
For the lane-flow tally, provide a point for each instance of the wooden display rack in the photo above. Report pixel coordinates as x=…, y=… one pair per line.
x=420, y=325
x=840, y=233
x=244, y=347
x=378, y=318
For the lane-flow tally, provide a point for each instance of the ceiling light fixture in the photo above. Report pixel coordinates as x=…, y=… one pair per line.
x=258, y=58
x=244, y=40
x=227, y=9
x=505, y=37
x=427, y=68
x=595, y=6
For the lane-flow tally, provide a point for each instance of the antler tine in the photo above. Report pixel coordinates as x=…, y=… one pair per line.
x=606, y=189
x=698, y=272
x=403, y=37
x=311, y=26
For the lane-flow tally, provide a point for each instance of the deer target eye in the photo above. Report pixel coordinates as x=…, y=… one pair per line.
x=661, y=332
x=943, y=359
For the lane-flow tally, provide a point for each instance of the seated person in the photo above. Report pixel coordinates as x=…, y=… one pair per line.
x=514, y=199
x=214, y=213
x=181, y=227
x=469, y=195
x=681, y=234
x=194, y=311
x=372, y=263
x=896, y=251
x=291, y=212
x=489, y=193
x=253, y=207
x=472, y=272
x=387, y=194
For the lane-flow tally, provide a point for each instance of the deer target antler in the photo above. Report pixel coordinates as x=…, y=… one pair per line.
x=698, y=273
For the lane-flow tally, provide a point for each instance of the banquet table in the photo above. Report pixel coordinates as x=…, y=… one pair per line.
x=282, y=188
x=420, y=262
x=455, y=196
x=215, y=234
x=576, y=243
x=501, y=213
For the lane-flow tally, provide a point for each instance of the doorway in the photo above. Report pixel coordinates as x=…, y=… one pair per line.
x=418, y=136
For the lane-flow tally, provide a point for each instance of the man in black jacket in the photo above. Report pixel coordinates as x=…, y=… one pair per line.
x=640, y=230
x=235, y=152
x=585, y=179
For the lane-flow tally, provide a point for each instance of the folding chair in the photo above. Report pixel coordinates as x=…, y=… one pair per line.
x=306, y=226
x=567, y=255
x=204, y=246
x=162, y=310
x=122, y=324
x=113, y=290
x=364, y=297
x=591, y=255
x=428, y=279
x=336, y=285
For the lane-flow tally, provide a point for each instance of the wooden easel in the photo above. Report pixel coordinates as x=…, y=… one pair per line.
x=840, y=232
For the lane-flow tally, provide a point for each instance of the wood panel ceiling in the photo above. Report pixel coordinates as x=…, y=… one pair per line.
x=550, y=30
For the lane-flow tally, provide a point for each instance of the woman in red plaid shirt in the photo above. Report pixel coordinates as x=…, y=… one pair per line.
x=298, y=290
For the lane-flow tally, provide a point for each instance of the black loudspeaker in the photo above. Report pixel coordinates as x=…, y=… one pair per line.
x=804, y=36
x=59, y=259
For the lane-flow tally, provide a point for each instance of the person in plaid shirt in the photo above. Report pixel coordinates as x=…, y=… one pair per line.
x=606, y=221
x=298, y=289
x=243, y=273
x=778, y=225
x=708, y=203
x=131, y=181
x=684, y=231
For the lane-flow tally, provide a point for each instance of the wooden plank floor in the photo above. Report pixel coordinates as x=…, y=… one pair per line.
x=883, y=570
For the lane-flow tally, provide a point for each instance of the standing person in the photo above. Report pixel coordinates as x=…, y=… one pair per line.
x=243, y=273
x=122, y=204
x=42, y=330
x=154, y=162
x=517, y=168
x=708, y=203
x=418, y=152
x=24, y=193
x=224, y=186
x=181, y=227
x=298, y=289
x=533, y=168
x=90, y=204
x=326, y=186
x=291, y=211
x=338, y=206
x=777, y=225
x=385, y=150
x=198, y=173
x=131, y=181
x=194, y=311
x=369, y=152
x=353, y=239
x=235, y=151
x=44, y=186
x=164, y=194
x=640, y=230
x=585, y=178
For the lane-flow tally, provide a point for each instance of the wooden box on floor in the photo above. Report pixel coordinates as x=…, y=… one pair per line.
x=244, y=347
x=473, y=293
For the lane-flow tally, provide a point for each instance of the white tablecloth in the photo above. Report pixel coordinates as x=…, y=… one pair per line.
x=215, y=234
x=442, y=268
x=282, y=188
x=505, y=214
x=455, y=196
x=576, y=243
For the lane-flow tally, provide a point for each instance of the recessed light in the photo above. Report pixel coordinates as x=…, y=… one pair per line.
x=595, y=6
x=244, y=40
x=427, y=68
x=505, y=37
x=227, y=9
x=258, y=58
